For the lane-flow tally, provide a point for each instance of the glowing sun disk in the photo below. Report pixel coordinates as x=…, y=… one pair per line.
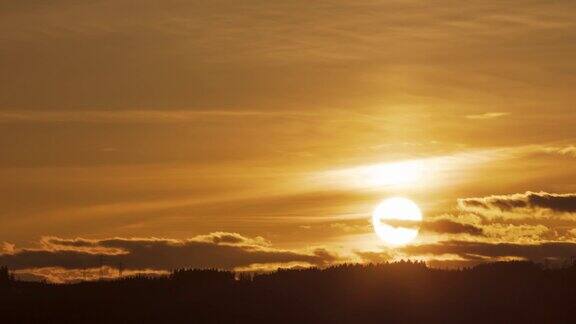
x=395, y=210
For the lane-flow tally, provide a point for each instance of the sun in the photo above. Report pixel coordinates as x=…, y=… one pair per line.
x=395, y=220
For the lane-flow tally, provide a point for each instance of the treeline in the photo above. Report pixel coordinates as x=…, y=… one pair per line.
x=507, y=292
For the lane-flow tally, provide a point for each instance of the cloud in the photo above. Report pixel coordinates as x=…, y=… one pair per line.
x=138, y=116
x=350, y=39
x=444, y=226
x=375, y=257
x=216, y=250
x=441, y=226
x=523, y=233
x=523, y=218
x=488, y=115
x=63, y=275
x=569, y=150
x=493, y=251
x=7, y=248
x=563, y=203
x=232, y=239
x=438, y=226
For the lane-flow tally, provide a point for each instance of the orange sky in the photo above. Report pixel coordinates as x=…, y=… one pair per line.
x=280, y=123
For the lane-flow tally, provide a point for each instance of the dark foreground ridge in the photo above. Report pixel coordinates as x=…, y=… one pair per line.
x=520, y=292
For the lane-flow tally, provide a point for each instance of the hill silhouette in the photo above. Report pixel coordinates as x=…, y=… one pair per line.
x=507, y=292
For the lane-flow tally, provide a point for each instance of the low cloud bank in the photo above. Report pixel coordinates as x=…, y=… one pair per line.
x=216, y=250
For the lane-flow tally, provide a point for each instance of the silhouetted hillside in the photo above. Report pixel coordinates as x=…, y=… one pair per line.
x=508, y=292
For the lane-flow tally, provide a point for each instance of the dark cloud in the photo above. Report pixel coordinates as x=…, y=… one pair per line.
x=492, y=251
x=218, y=250
x=530, y=200
x=444, y=226
x=441, y=226
x=51, y=242
x=232, y=238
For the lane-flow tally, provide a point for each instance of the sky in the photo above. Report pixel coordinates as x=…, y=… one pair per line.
x=252, y=135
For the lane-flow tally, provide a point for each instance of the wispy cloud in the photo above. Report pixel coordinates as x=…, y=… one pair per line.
x=136, y=116
x=569, y=150
x=488, y=115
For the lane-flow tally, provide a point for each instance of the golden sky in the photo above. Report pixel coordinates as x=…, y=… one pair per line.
x=165, y=133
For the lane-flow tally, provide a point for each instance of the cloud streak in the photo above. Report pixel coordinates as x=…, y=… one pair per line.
x=444, y=226
x=569, y=150
x=562, y=203
x=488, y=115
x=137, y=116
x=492, y=251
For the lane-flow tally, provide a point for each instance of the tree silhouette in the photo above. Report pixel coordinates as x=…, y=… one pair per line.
x=504, y=292
x=5, y=276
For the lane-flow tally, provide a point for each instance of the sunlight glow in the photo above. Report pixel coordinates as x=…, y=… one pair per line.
x=378, y=175
x=393, y=210
x=394, y=173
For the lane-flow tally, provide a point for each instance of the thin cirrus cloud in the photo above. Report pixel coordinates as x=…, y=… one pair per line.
x=488, y=115
x=137, y=116
x=171, y=54
x=569, y=150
